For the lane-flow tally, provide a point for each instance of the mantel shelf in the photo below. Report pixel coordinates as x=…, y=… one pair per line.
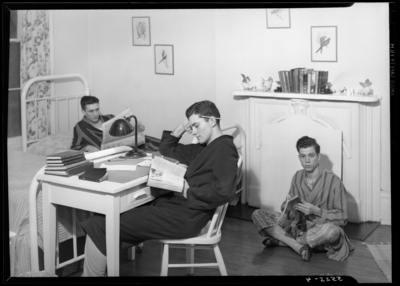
x=307, y=96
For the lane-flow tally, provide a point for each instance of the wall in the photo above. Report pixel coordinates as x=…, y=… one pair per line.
x=212, y=48
x=71, y=46
x=70, y=54
x=245, y=46
x=123, y=75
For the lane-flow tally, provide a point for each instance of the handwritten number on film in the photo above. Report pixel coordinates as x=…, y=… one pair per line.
x=324, y=279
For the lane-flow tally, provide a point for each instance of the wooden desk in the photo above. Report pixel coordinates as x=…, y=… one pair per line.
x=108, y=198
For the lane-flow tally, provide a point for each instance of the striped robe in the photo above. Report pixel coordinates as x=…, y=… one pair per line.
x=329, y=194
x=86, y=134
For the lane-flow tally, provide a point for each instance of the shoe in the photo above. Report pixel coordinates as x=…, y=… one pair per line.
x=308, y=251
x=270, y=242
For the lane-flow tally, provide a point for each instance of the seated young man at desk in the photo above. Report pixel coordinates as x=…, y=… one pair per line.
x=318, y=221
x=88, y=133
x=209, y=182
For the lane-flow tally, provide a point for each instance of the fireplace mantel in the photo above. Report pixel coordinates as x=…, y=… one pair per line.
x=357, y=117
x=306, y=96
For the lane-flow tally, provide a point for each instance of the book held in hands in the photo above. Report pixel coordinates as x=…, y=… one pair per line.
x=167, y=175
x=289, y=206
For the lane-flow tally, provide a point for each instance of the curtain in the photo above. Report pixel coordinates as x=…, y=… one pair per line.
x=35, y=61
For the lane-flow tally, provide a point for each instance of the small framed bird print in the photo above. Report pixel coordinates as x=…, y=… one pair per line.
x=164, y=59
x=141, y=31
x=278, y=18
x=324, y=44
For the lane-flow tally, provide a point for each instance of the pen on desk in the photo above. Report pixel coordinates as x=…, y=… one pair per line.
x=120, y=159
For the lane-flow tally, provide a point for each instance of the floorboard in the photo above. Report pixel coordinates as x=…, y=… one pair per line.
x=245, y=256
x=359, y=231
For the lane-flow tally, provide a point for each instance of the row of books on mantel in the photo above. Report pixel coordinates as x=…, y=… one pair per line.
x=72, y=162
x=302, y=80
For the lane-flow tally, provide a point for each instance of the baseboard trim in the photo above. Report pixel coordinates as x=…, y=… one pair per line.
x=386, y=217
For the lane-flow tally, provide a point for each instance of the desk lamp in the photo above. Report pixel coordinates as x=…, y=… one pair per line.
x=122, y=127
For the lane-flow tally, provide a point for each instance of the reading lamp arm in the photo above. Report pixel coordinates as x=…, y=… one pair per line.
x=129, y=119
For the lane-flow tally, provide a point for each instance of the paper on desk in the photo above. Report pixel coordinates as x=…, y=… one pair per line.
x=119, y=167
x=145, y=163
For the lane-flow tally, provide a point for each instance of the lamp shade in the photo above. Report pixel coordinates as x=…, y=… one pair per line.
x=120, y=127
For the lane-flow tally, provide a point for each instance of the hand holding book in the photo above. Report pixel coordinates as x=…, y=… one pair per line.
x=308, y=208
x=167, y=175
x=290, y=204
x=185, y=188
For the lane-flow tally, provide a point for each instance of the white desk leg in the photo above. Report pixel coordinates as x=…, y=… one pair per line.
x=49, y=230
x=112, y=235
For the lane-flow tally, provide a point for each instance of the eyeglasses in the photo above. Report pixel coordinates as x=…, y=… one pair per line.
x=209, y=117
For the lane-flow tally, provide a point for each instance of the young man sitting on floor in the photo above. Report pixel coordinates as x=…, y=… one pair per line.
x=318, y=221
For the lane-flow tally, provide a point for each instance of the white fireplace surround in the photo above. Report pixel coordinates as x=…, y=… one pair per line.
x=358, y=119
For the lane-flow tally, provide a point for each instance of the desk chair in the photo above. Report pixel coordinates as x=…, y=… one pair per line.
x=208, y=238
x=220, y=212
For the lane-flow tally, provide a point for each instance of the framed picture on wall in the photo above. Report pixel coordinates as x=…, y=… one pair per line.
x=141, y=31
x=278, y=18
x=164, y=59
x=324, y=44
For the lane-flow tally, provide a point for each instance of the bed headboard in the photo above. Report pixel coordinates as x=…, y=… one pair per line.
x=42, y=116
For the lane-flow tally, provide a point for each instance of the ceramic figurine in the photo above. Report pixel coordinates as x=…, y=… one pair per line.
x=343, y=91
x=366, y=90
x=327, y=88
x=246, y=83
x=267, y=84
x=278, y=88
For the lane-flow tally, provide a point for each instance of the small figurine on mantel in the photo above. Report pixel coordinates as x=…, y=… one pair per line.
x=326, y=88
x=267, y=84
x=366, y=90
x=278, y=88
x=247, y=85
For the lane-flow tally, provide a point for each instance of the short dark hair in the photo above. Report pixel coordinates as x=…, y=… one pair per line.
x=88, y=99
x=305, y=142
x=203, y=108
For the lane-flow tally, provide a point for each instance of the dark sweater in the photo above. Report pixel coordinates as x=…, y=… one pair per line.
x=211, y=172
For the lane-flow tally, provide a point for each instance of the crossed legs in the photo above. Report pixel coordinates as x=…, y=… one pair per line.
x=299, y=245
x=268, y=226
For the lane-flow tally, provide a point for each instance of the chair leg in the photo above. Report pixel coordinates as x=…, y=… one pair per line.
x=165, y=259
x=190, y=259
x=220, y=260
x=131, y=253
x=139, y=247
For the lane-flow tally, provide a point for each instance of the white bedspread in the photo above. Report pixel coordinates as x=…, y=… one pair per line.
x=22, y=168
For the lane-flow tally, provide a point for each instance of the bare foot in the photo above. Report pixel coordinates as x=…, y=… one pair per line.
x=306, y=253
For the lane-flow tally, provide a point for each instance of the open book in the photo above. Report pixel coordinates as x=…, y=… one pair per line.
x=289, y=206
x=167, y=175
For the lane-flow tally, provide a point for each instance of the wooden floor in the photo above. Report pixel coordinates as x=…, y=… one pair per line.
x=244, y=255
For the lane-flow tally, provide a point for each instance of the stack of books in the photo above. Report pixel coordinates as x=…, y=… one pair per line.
x=67, y=163
x=302, y=80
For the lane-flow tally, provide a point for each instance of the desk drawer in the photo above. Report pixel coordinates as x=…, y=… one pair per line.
x=134, y=197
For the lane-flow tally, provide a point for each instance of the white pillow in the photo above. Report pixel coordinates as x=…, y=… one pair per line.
x=52, y=144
